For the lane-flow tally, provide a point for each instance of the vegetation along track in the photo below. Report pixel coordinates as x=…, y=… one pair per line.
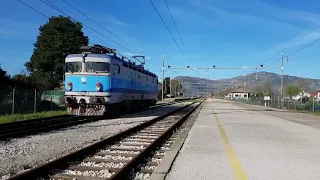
x=115, y=157
x=27, y=127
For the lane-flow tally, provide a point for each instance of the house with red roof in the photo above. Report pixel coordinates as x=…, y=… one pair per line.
x=316, y=94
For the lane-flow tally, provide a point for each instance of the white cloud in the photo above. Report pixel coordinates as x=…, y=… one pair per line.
x=260, y=9
x=112, y=20
x=286, y=22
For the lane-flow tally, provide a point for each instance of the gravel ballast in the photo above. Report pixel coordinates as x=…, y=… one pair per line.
x=24, y=153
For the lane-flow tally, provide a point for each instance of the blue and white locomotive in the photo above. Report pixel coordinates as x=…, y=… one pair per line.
x=97, y=81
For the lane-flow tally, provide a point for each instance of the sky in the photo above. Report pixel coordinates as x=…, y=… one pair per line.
x=232, y=33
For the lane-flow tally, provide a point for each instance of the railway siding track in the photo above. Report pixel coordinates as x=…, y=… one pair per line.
x=115, y=157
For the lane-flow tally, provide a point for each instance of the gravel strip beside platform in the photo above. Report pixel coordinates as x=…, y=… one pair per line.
x=24, y=153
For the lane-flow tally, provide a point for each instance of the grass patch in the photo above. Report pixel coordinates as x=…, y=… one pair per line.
x=22, y=117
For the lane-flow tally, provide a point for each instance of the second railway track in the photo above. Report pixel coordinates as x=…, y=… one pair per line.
x=28, y=127
x=115, y=157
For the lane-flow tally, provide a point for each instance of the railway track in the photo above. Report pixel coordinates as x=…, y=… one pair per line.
x=28, y=127
x=115, y=157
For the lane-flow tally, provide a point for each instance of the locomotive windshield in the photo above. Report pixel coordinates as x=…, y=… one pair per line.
x=98, y=67
x=73, y=66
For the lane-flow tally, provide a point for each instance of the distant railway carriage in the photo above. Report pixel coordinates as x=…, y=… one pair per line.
x=97, y=81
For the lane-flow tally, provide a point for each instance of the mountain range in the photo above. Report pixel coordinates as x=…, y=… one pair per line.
x=201, y=85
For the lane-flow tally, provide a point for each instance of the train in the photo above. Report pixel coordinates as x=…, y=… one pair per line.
x=99, y=82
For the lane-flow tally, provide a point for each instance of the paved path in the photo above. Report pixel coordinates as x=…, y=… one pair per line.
x=232, y=142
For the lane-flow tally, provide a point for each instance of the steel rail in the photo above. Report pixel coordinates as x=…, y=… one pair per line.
x=62, y=162
x=29, y=127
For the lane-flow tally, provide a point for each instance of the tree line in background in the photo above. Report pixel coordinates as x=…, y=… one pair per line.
x=57, y=38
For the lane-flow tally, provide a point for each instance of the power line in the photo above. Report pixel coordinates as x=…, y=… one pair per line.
x=171, y=33
x=299, y=49
x=100, y=25
x=179, y=34
x=54, y=7
x=168, y=30
x=34, y=9
x=176, y=29
x=295, y=41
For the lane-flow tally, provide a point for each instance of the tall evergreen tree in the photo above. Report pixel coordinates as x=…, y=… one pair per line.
x=5, y=81
x=57, y=37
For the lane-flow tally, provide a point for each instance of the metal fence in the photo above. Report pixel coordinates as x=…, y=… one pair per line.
x=310, y=105
x=14, y=101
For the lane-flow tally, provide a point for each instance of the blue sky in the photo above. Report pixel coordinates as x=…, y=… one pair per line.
x=231, y=33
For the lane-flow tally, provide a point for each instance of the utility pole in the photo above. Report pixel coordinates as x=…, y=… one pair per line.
x=170, y=88
x=163, y=77
x=281, y=86
x=244, y=84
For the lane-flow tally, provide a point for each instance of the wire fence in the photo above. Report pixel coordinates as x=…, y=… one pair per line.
x=307, y=104
x=14, y=101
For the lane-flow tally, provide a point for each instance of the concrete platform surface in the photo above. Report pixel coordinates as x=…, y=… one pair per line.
x=232, y=142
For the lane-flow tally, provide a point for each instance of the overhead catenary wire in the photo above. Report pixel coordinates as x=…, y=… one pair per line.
x=298, y=39
x=188, y=62
x=174, y=23
x=169, y=31
x=56, y=8
x=298, y=50
x=177, y=29
x=34, y=9
x=101, y=27
x=85, y=26
x=59, y=10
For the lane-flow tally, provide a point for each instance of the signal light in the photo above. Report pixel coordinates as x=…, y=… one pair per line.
x=69, y=86
x=98, y=86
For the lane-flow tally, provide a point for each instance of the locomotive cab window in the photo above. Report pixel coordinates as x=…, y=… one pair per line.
x=98, y=67
x=116, y=69
x=73, y=67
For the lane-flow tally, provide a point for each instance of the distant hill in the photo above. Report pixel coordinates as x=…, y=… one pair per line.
x=200, y=85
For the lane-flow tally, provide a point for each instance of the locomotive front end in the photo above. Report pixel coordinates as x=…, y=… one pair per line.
x=87, y=81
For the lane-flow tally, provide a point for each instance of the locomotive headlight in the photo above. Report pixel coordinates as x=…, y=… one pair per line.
x=98, y=86
x=69, y=86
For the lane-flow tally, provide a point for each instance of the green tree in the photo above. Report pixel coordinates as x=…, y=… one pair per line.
x=292, y=90
x=5, y=80
x=57, y=37
x=167, y=85
x=176, y=87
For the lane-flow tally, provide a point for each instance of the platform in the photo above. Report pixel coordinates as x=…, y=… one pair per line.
x=229, y=142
